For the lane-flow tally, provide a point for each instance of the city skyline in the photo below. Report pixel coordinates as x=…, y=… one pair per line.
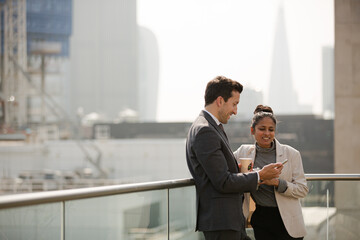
x=193, y=49
x=154, y=60
x=168, y=63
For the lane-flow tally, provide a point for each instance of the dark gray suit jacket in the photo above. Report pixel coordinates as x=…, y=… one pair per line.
x=219, y=185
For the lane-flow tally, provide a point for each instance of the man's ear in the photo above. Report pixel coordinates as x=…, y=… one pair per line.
x=219, y=101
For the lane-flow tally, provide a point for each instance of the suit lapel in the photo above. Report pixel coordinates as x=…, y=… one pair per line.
x=218, y=129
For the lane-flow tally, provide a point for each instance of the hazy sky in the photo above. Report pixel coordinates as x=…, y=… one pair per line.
x=200, y=39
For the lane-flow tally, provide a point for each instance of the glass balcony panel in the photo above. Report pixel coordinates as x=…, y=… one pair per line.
x=315, y=210
x=33, y=222
x=182, y=214
x=332, y=210
x=130, y=216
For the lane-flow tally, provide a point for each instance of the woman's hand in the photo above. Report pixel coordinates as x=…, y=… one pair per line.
x=251, y=169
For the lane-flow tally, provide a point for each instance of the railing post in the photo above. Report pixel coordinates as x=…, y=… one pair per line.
x=168, y=214
x=327, y=214
x=62, y=220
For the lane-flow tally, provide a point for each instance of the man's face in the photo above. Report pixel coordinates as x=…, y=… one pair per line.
x=229, y=108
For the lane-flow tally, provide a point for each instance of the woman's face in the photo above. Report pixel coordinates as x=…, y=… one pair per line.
x=264, y=132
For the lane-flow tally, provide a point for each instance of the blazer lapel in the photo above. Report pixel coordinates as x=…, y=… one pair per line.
x=279, y=152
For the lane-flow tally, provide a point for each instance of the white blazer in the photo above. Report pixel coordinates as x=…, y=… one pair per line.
x=293, y=173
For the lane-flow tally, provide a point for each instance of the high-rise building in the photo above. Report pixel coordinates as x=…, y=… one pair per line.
x=114, y=62
x=328, y=82
x=249, y=99
x=148, y=75
x=104, y=57
x=282, y=97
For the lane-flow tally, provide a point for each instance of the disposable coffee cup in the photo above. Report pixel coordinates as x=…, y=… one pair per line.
x=246, y=164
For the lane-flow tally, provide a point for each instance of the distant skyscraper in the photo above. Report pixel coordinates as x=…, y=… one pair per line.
x=249, y=99
x=328, y=82
x=282, y=97
x=148, y=75
x=103, y=60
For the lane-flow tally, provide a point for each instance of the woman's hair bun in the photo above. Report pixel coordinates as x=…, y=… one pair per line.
x=262, y=108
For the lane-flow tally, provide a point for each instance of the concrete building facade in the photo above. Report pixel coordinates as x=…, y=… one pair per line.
x=347, y=116
x=347, y=86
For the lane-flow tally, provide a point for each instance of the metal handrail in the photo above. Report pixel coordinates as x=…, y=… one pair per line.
x=26, y=199
x=332, y=176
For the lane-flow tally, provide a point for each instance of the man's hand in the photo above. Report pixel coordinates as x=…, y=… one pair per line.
x=272, y=182
x=270, y=171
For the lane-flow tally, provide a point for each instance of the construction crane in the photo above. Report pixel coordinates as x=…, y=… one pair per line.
x=15, y=81
x=13, y=85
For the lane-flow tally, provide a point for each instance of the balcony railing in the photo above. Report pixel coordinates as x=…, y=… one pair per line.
x=162, y=210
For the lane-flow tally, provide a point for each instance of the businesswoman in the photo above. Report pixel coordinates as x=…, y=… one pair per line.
x=278, y=213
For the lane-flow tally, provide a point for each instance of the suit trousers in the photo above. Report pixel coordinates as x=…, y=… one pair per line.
x=224, y=235
x=268, y=225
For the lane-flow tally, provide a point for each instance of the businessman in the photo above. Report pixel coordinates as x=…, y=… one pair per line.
x=219, y=185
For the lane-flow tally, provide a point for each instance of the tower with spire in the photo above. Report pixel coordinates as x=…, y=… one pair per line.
x=282, y=97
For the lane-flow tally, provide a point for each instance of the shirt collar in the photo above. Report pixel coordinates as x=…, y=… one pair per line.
x=215, y=119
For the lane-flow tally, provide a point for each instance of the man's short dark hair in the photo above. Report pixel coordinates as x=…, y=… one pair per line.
x=221, y=86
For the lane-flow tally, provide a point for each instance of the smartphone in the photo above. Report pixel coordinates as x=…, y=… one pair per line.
x=285, y=161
